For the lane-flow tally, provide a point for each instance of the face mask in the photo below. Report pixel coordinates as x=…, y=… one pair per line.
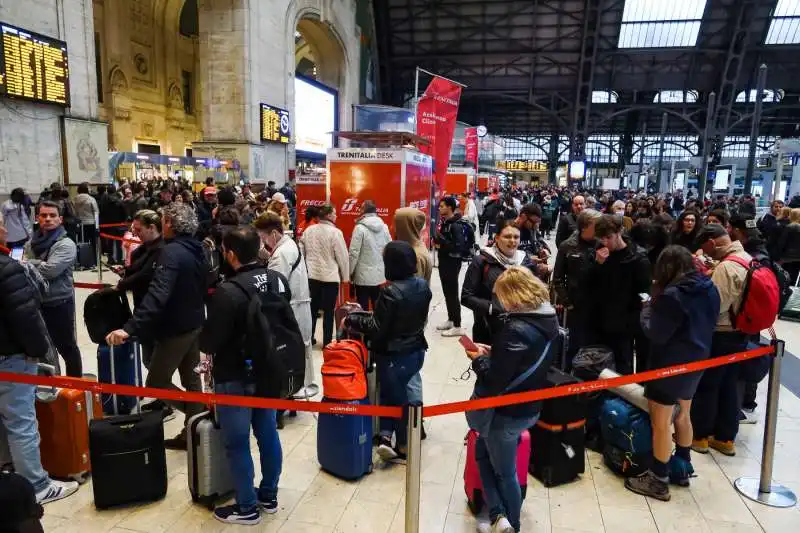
x=619, y=212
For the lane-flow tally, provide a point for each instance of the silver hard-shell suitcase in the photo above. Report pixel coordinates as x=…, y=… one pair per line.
x=210, y=478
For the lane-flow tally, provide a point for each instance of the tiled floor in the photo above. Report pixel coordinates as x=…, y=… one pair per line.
x=312, y=501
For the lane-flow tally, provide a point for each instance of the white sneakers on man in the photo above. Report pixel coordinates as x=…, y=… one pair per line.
x=57, y=490
x=443, y=327
x=454, y=332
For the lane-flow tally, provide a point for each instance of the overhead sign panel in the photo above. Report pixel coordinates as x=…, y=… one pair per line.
x=275, y=125
x=33, y=67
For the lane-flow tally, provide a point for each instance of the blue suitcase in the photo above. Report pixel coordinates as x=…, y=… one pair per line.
x=120, y=365
x=344, y=443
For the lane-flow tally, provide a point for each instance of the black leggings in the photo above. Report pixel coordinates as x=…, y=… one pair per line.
x=366, y=295
x=60, y=321
x=323, y=296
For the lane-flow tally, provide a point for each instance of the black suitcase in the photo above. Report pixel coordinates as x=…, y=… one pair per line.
x=129, y=462
x=565, y=409
x=85, y=256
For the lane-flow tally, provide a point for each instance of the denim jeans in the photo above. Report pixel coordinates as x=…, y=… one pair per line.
x=235, y=423
x=18, y=427
x=414, y=389
x=394, y=373
x=496, y=454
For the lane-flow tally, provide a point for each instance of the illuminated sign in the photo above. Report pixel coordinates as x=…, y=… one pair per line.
x=33, y=66
x=275, y=125
x=522, y=166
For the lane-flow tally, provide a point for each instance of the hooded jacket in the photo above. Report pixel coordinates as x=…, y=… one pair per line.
x=283, y=258
x=174, y=303
x=515, y=348
x=477, y=293
x=408, y=225
x=370, y=237
x=680, y=321
x=397, y=326
x=22, y=330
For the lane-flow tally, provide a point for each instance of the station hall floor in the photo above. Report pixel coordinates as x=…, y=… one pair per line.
x=312, y=501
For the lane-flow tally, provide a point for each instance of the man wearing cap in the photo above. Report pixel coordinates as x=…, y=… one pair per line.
x=205, y=211
x=280, y=206
x=715, y=409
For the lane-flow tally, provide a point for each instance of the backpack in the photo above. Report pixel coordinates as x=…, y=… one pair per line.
x=213, y=258
x=344, y=370
x=627, y=437
x=760, y=298
x=104, y=311
x=784, y=282
x=272, y=341
x=467, y=250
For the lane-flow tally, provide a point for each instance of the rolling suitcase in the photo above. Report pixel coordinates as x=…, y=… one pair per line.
x=120, y=365
x=128, y=458
x=63, y=416
x=791, y=311
x=473, y=486
x=210, y=478
x=344, y=442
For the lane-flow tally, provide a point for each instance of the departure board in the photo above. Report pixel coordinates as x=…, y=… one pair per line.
x=275, y=125
x=33, y=66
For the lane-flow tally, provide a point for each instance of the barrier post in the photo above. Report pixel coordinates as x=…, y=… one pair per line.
x=99, y=250
x=763, y=490
x=413, y=466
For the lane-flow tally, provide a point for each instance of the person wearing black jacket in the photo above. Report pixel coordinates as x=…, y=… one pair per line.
x=686, y=230
x=621, y=272
x=223, y=336
x=517, y=361
x=112, y=211
x=23, y=342
x=568, y=222
x=396, y=333
x=768, y=224
x=787, y=251
x=171, y=313
x=451, y=242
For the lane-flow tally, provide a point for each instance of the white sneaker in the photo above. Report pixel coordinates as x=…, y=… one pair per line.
x=748, y=417
x=309, y=391
x=442, y=327
x=454, y=332
x=482, y=524
x=502, y=525
x=57, y=490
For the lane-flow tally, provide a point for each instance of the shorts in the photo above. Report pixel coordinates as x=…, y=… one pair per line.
x=668, y=391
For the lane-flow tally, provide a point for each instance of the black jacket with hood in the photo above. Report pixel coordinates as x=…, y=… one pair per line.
x=450, y=238
x=174, y=301
x=397, y=325
x=22, y=329
x=142, y=269
x=574, y=261
x=515, y=348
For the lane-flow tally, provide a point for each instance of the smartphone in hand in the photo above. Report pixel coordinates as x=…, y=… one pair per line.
x=468, y=345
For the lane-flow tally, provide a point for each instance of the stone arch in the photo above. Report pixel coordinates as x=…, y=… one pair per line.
x=118, y=81
x=175, y=95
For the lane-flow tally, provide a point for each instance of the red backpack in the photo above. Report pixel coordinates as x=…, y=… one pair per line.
x=760, y=298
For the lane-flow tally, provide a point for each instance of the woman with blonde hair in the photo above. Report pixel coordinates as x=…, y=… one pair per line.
x=787, y=252
x=517, y=361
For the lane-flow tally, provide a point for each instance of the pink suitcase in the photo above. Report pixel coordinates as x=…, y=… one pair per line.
x=472, y=477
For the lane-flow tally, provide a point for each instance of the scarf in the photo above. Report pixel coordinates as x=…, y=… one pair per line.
x=506, y=261
x=42, y=241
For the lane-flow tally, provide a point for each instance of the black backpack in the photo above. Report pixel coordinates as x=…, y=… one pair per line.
x=468, y=248
x=104, y=311
x=213, y=257
x=273, y=341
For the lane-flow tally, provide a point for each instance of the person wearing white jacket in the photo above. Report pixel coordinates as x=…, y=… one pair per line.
x=470, y=213
x=285, y=257
x=323, y=246
x=370, y=237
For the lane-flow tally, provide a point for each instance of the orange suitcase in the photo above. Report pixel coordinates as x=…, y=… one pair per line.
x=63, y=416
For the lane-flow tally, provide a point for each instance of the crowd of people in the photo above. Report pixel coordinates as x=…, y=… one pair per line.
x=655, y=279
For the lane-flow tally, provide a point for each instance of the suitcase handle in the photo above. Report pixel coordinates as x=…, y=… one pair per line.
x=43, y=393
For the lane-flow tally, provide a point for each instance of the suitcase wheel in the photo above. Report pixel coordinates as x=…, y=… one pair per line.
x=80, y=478
x=476, y=503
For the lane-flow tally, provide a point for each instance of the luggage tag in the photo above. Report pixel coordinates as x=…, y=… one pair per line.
x=569, y=450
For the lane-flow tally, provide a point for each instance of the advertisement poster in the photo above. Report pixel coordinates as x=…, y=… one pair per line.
x=471, y=141
x=437, y=110
x=419, y=174
x=86, y=151
x=311, y=191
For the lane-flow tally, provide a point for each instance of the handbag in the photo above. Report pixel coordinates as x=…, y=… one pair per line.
x=480, y=420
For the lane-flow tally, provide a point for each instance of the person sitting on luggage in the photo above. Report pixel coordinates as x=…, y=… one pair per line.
x=53, y=253
x=396, y=332
x=482, y=273
x=521, y=348
x=223, y=335
x=171, y=313
x=23, y=342
x=679, y=321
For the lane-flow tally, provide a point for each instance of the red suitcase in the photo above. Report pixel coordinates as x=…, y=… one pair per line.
x=63, y=416
x=472, y=477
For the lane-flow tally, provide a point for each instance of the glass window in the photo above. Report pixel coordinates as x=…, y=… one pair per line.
x=770, y=96
x=604, y=97
x=785, y=25
x=661, y=24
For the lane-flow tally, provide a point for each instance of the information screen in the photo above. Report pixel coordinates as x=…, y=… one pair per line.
x=722, y=179
x=275, y=125
x=315, y=116
x=33, y=66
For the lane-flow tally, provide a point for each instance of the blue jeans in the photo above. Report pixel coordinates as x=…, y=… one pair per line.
x=496, y=454
x=414, y=389
x=235, y=423
x=394, y=373
x=18, y=427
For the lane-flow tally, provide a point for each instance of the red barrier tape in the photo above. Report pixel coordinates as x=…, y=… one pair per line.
x=202, y=397
x=115, y=225
x=591, y=386
x=82, y=285
x=116, y=238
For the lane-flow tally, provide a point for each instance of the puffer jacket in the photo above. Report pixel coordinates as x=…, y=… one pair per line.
x=325, y=251
x=515, y=348
x=408, y=225
x=283, y=260
x=574, y=260
x=477, y=293
x=370, y=237
x=397, y=326
x=22, y=330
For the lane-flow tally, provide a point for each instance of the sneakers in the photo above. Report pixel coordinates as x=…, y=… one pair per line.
x=57, y=490
x=700, y=446
x=443, y=327
x=178, y=442
x=502, y=525
x=233, y=514
x=454, y=332
x=680, y=470
x=309, y=391
x=649, y=485
x=268, y=506
x=747, y=417
x=725, y=447
x=385, y=450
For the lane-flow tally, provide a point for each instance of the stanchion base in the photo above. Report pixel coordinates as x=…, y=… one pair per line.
x=778, y=496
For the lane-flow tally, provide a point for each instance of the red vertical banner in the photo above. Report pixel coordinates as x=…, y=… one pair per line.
x=437, y=110
x=471, y=141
